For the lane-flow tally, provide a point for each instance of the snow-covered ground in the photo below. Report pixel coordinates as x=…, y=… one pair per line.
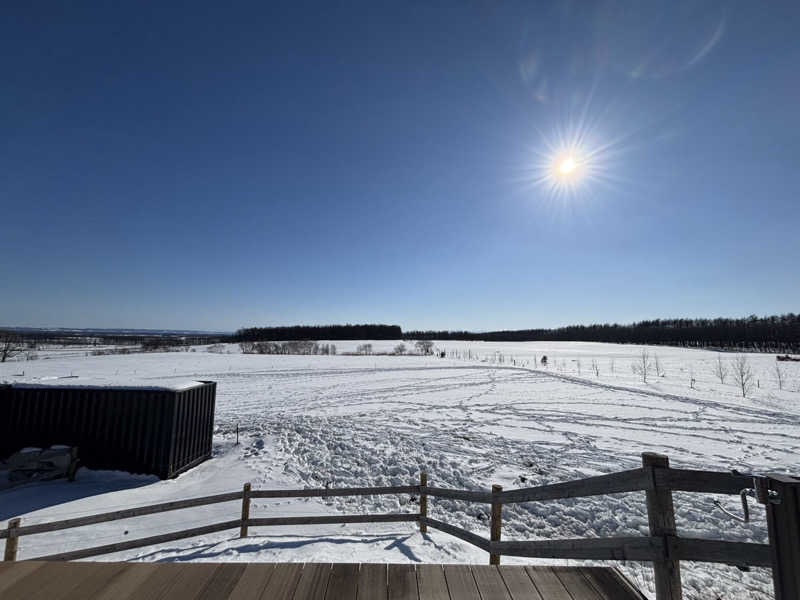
x=469, y=422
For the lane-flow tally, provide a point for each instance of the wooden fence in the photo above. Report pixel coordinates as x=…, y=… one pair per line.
x=663, y=547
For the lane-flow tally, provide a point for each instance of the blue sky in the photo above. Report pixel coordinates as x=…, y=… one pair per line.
x=216, y=165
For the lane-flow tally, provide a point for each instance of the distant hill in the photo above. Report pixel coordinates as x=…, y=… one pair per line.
x=112, y=332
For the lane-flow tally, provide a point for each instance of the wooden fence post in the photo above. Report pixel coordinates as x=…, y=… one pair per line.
x=245, y=510
x=661, y=517
x=12, y=542
x=73, y=463
x=423, y=502
x=496, y=523
x=783, y=524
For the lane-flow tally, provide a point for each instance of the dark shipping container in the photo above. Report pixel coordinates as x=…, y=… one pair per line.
x=154, y=430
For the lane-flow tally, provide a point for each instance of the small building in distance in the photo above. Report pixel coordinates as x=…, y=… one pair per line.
x=161, y=428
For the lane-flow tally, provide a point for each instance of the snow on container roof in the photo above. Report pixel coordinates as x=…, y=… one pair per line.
x=162, y=385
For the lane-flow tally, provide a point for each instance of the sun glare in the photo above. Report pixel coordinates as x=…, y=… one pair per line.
x=571, y=164
x=567, y=166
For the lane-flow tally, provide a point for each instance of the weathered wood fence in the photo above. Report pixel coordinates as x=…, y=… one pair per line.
x=663, y=547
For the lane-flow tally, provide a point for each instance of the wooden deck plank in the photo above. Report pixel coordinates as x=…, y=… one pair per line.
x=490, y=583
x=519, y=583
x=313, y=582
x=372, y=582
x=70, y=577
x=610, y=584
x=294, y=581
x=577, y=585
x=98, y=579
x=161, y=577
x=30, y=580
x=223, y=581
x=403, y=582
x=189, y=581
x=431, y=583
x=343, y=583
x=123, y=586
x=614, y=574
x=461, y=583
x=20, y=570
x=252, y=582
x=283, y=582
x=51, y=582
x=548, y=584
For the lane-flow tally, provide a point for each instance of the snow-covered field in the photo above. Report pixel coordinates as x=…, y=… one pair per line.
x=469, y=422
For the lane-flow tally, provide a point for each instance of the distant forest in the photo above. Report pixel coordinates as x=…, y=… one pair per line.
x=780, y=333
x=319, y=332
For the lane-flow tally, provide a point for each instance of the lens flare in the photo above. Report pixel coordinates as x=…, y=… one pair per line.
x=577, y=154
x=566, y=170
x=567, y=166
x=571, y=166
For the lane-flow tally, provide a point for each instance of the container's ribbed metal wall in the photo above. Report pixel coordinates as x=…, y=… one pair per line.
x=142, y=431
x=194, y=426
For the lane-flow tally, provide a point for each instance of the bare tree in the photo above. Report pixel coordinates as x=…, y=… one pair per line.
x=299, y=347
x=612, y=365
x=720, y=369
x=424, y=347
x=10, y=345
x=400, y=349
x=659, y=367
x=578, y=362
x=364, y=349
x=743, y=374
x=780, y=374
x=595, y=368
x=642, y=366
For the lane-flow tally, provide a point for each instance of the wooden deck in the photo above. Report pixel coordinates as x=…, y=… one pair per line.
x=296, y=581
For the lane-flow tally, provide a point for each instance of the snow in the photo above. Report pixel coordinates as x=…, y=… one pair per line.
x=111, y=383
x=311, y=421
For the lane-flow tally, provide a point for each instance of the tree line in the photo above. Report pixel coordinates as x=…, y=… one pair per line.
x=290, y=347
x=319, y=332
x=778, y=333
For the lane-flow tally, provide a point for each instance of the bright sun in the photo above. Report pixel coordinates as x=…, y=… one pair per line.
x=567, y=166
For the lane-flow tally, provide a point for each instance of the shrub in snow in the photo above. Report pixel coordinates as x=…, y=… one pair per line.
x=720, y=369
x=743, y=374
x=642, y=366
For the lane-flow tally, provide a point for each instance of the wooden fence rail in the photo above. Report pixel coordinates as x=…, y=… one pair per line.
x=615, y=548
x=141, y=542
x=709, y=482
x=334, y=492
x=634, y=480
x=126, y=513
x=663, y=547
